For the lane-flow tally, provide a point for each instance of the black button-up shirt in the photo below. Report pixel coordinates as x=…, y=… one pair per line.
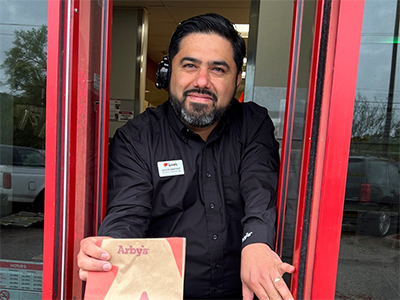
x=221, y=195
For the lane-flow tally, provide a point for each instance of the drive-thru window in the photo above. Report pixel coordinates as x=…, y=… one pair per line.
x=72, y=72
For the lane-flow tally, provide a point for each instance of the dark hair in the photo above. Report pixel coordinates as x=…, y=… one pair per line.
x=209, y=23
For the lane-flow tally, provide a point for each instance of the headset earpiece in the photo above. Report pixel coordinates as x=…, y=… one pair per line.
x=162, y=74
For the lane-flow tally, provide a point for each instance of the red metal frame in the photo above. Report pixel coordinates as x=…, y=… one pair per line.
x=51, y=253
x=288, y=122
x=307, y=144
x=332, y=156
x=73, y=167
x=93, y=58
x=344, y=50
x=332, y=150
x=60, y=278
x=80, y=193
x=103, y=133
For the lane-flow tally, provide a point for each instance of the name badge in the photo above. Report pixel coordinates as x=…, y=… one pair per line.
x=170, y=168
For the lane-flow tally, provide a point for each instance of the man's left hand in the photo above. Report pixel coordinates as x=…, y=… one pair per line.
x=261, y=273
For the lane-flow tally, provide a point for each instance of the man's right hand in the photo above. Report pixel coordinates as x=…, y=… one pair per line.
x=91, y=257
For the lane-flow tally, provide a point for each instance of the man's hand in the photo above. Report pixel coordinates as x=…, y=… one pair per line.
x=261, y=273
x=91, y=257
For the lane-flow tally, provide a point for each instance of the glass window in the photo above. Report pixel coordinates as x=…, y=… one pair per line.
x=23, y=59
x=369, y=252
x=394, y=176
x=377, y=172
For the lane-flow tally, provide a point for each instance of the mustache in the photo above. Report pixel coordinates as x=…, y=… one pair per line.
x=201, y=91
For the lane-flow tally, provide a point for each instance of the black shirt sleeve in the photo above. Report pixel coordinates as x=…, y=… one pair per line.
x=129, y=190
x=258, y=183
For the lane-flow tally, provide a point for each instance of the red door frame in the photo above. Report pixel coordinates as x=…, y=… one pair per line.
x=55, y=65
x=287, y=134
x=332, y=141
x=343, y=55
x=74, y=182
x=331, y=158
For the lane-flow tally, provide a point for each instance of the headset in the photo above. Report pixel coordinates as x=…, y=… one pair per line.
x=162, y=74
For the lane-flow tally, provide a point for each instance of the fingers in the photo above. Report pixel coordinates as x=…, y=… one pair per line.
x=247, y=293
x=92, y=258
x=267, y=291
x=83, y=275
x=281, y=287
x=261, y=272
x=286, y=268
x=274, y=289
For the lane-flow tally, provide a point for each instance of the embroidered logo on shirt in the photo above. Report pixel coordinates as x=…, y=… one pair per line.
x=247, y=235
x=170, y=168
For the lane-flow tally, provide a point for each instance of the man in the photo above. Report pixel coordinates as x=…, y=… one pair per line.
x=223, y=197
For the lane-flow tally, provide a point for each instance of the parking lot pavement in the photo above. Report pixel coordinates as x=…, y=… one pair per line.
x=369, y=268
x=21, y=243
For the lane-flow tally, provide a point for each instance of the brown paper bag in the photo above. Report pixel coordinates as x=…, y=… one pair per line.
x=143, y=269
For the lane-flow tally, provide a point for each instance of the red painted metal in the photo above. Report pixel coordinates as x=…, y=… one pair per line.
x=102, y=143
x=51, y=253
x=306, y=150
x=288, y=124
x=84, y=66
x=86, y=58
x=332, y=150
x=331, y=167
x=73, y=149
x=345, y=49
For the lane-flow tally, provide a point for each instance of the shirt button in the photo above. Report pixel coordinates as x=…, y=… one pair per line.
x=215, y=237
x=215, y=289
x=217, y=266
x=208, y=174
x=212, y=206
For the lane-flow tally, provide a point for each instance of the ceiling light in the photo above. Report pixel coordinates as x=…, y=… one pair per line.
x=243, y=29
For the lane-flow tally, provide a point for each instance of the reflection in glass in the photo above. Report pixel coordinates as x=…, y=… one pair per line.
x=272, y=64
x=23, y=59
x=370, y=245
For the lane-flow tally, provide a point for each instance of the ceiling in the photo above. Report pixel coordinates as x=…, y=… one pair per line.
x=165, y=15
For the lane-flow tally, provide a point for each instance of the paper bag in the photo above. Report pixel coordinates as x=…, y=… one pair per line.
x=143, y=269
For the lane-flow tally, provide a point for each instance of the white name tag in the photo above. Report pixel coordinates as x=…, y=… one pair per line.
x=170, y=168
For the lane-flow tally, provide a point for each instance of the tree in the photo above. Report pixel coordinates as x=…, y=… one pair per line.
x=25, y=66
x=22, y=109
x=369, y=126
x=368, y=119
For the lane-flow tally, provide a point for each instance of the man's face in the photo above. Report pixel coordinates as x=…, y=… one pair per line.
x=203, y=79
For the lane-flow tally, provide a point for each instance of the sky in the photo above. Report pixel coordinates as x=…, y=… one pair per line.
x=376, y=53
x=18, y=15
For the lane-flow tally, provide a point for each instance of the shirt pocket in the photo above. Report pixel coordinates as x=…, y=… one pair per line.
x=232, y=198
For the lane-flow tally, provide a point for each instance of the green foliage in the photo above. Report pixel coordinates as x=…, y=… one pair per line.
x=25, y=66
x=22, y=109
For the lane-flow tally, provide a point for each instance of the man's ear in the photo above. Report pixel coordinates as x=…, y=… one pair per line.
x=239, y=79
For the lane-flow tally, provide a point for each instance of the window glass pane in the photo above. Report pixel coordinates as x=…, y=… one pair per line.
x=369, y=252
x=272, y=65
x=23, y=48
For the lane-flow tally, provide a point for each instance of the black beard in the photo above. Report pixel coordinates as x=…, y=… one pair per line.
x=198, y=116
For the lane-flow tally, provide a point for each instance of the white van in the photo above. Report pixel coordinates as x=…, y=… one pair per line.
x=22, y=176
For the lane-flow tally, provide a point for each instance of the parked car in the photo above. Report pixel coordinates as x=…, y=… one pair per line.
x=372, y=194
x=22, y=176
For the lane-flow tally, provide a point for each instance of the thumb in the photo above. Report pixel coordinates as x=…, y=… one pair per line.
x=286, y=268
x=247, y=293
